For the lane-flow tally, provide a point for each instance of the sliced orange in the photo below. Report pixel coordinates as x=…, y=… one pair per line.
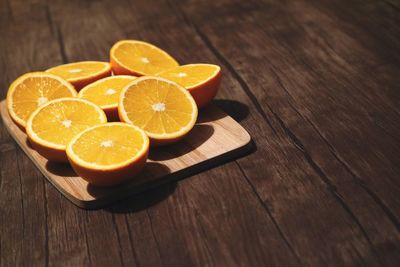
x=202, y=80
x=105, y=93
x=163, y=109
x=52, y=126
x=82, y=73
x=139, y=58
x=32, y=90
x=108, y=154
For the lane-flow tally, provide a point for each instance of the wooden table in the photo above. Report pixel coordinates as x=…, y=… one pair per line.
x=316, y=83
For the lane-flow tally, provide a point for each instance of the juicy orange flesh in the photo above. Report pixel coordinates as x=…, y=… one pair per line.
x=107, y=91
x=157, y=107
x=189, y=76
x=34, y=92
x=108, y=145
x=143, y=58
x=78, y=70
x=59, y=122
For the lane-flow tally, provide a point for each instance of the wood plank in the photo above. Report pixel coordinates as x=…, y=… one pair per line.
x=11, y=196
x=308, y=49
x=276, y=48
x=23, y=230
x=376, y=24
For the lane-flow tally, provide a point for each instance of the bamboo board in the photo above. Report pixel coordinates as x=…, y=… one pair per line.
x=216, y=138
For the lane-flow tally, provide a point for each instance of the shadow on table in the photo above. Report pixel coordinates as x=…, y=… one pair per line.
x=237, y=110
x=143, y=200
x=160, y=192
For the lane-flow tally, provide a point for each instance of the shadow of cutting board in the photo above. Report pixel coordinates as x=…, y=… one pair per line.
x=216, y=138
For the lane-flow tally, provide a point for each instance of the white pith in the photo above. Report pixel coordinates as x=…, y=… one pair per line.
x=158, y=107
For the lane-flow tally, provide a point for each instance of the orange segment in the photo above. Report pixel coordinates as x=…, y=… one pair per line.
x=105, y=93
x=82, y=73
x=108, y=154
x=32, y=90
x=202, y=80
x=163, y=109
x=139, y=58
x=53, y=125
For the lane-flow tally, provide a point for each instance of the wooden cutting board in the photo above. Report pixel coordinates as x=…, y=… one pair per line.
x=216, y=138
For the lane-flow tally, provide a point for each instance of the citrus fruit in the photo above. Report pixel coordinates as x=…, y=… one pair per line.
x=105, y=93
x=108, y=154
x=82, y=73
x=32, y=90
x=202, y=80
x=52, y=126
x=163, y=109
x=139, y=58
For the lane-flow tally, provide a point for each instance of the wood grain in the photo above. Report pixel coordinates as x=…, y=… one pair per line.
x=215, y=138
x=314, y=82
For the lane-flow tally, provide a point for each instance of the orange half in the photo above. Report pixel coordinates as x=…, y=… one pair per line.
x=108, y=154
x=163, y=109
x=139, y=58
x=53, y=125
x=105, y=93
x=202, y=80
x=32, y=90
x=82, y=73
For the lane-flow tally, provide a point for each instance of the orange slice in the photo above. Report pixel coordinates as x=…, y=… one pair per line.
x=163, y=109
x=52, y=126
x=108, y=154
x=105, y=93
x=139, y=58
x=202, y=80
x=82, y=73
x=32, y=90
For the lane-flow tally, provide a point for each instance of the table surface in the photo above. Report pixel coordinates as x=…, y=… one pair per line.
x=316, y=84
